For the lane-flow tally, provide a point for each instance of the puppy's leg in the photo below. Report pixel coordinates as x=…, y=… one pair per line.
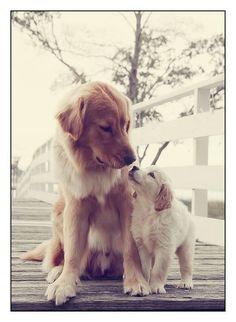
x=134, y=281
x=146, y=261
x=160, y=270
x=185, y=255
x=75, y=231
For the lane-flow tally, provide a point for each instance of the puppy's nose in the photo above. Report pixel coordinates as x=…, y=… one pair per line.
x=134, y=168
x=128, y=159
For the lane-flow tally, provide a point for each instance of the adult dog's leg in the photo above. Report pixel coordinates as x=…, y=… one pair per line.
x=75, y=231
x=51, y=250
x=54, y=255
x=134, y=281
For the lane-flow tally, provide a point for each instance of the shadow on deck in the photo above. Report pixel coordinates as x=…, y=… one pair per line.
x=31, y=225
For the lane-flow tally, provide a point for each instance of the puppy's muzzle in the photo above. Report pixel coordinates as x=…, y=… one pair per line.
x=132, y=172
x=135, y=168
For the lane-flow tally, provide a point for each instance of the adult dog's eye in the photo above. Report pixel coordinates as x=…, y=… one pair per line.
x=127, y=127
x=106, y=128
x=151, y=174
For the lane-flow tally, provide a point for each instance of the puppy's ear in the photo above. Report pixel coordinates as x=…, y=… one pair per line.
x=164, y=198
x=71, y=119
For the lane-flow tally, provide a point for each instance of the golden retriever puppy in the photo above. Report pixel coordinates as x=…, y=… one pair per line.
x=92, y=218
x=161, y=226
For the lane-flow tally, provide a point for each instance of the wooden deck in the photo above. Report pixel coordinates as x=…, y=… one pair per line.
x=30, y=225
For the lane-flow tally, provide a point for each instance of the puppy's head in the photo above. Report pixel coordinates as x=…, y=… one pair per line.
x=96, y=116
x=151, y=185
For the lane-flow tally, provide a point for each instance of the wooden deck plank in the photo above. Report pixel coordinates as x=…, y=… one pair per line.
x=29, y=284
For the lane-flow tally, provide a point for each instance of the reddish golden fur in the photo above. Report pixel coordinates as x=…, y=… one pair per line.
x=92, y=217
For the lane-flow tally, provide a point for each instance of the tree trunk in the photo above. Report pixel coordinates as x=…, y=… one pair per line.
x=133, y=79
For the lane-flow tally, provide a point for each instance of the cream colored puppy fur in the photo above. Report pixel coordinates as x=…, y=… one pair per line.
x=161, y=226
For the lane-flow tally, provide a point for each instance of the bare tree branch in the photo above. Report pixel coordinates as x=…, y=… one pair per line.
x=55, y=39
x=146, y=21
x=164, y=145
x=53, y=47
x=153, y=86
x=111, y=59
x=140, y=158
x=128, y=22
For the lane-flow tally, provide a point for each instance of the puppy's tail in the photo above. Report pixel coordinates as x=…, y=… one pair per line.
x=36, y=254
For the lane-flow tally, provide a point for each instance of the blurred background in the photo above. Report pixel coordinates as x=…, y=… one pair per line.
x=144, y=54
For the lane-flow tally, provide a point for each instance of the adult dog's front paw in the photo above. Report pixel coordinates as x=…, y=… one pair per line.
x=136, y=287
x=62, y=289
x=54, y=274
x=186, y=284
x=157, y=288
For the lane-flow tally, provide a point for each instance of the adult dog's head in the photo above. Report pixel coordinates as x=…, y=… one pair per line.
x=96, y=117
x=152, y=186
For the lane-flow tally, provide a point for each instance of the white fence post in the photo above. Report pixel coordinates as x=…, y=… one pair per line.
x=199, y=196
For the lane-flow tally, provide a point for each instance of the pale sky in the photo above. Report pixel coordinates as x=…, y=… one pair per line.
x=34, y=71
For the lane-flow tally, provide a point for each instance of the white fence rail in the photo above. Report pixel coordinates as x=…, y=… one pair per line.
x=39, y=182
x=194, y=126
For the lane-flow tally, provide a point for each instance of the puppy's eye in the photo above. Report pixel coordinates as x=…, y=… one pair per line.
x=107, y=129
x=151, y=174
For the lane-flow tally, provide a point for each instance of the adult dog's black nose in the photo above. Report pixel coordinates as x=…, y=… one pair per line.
x=134, y=168
x=128, y=159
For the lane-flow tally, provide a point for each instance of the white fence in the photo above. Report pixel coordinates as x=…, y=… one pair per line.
x=39, y=183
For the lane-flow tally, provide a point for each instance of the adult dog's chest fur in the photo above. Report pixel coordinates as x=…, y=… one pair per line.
x=81, y=184
x=105, y=230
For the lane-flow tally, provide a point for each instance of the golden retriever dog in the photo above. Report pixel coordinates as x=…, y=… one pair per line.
x=92, y=217
x=161, y=226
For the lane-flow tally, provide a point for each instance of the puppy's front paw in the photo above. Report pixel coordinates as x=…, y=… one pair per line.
x=158, y=288
x=136, y=287
x=54, y=274
x=62, y=289
x=186, y=284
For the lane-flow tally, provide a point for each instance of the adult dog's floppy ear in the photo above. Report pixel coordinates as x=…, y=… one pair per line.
x=71, y=119
x=164, y=198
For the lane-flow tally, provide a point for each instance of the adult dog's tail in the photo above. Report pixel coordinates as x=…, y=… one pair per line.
x=36, y=254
